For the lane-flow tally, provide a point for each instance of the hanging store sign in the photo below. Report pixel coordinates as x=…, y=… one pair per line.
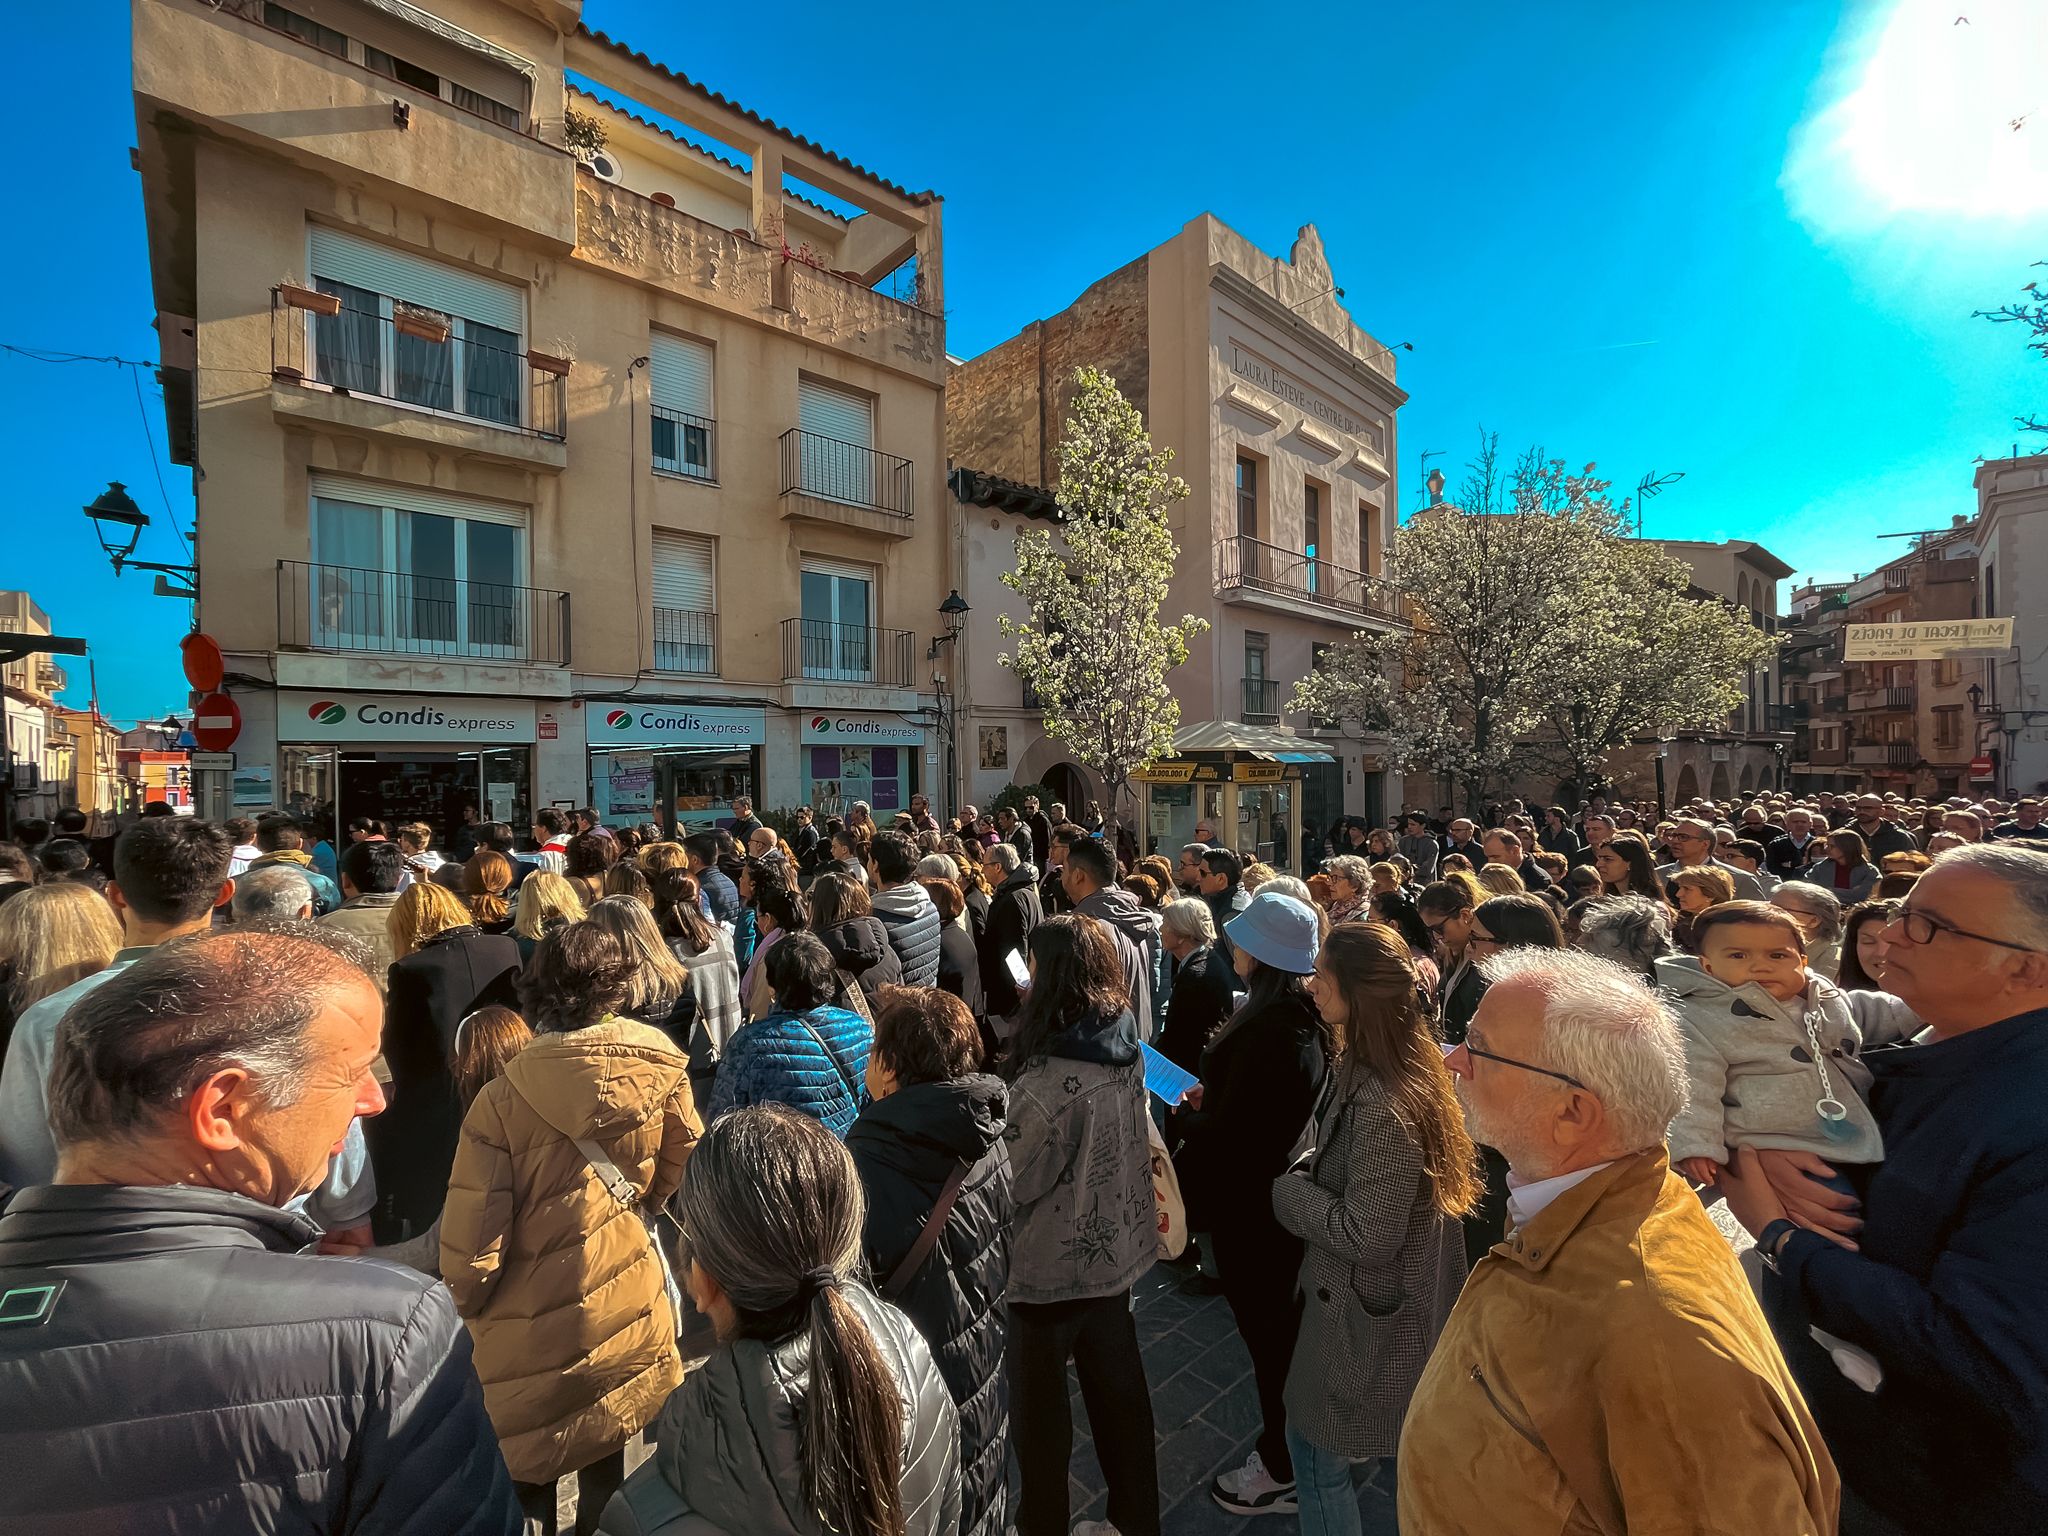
x=1165, y=773
x=1927, y=640
x=861, y=731
x=1258, y=773
x=674, y=725
x=412, y=718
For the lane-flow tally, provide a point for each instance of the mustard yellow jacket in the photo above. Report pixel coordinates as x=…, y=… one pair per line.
x=573, y=1330
x=1607, y=1370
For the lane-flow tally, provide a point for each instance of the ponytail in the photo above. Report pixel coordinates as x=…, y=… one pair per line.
x=851, y=1430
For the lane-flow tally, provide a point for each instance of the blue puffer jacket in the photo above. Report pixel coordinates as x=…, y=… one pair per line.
x=912, y=923
x=814, y=1062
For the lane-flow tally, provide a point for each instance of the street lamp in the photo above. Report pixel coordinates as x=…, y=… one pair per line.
x=953, y=614
x=118, y=522
x=1649, y=486
x=172, y=728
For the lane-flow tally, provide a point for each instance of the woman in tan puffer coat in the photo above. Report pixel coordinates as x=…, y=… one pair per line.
x=567, y=1303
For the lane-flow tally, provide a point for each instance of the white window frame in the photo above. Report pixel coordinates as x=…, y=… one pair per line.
x=840, y=657
x=382, y=595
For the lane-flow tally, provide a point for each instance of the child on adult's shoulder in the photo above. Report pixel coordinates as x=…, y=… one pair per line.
x=1774, y=1051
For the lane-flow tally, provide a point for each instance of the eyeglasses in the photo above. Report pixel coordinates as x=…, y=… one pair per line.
x=1921, y=927
x=1508, y=1061
x=1437, y=926
x=1477, y=937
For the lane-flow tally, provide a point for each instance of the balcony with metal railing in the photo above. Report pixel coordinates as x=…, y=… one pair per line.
x=683, y=444
x=1262, y=701
x=827, y=480
x=686, y=640
x=1251, y=569
x=420, y=360
x=1887, y=700
x=401, y=613
x=814, y=650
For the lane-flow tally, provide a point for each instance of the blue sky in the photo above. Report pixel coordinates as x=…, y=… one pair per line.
x=1747, y=251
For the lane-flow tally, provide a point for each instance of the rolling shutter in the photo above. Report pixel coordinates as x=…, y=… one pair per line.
x=410, y=498
x=680, y=373
x=835, y=413
x=682, y=572
x=397, y=274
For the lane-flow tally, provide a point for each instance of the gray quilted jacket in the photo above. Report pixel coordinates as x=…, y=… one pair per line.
x=912, y=923
x=726, y=1459
x=1381, y=1270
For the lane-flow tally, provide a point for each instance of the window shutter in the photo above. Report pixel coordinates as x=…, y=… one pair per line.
x=411, y=498
x=680, y=373
x=399, y=274
x=840, y=568
x=834, y=413
x=682, y=572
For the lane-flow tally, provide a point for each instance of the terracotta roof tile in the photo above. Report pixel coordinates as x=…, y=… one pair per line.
x=603, y=40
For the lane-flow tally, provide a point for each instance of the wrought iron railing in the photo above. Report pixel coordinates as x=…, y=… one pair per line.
x=1262, y=700
x=831, y=470
x=685, y=640
x=684, y=444
x=817, y=651
x=414, y=357
x=1243, y=562
x=345, y=608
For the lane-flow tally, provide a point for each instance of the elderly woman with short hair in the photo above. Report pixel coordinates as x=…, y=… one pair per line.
x=1634, y=931
x=1202, y=995
x=1350, y=880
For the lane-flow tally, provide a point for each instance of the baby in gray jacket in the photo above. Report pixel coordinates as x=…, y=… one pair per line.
x=1773, y=1051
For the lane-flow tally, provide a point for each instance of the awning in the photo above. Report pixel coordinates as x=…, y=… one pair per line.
x=1272, y=743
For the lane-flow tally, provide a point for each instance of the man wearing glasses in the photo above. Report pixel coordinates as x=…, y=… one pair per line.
x=1940, y=1282
x=1692, y=847
x=1606, y=1367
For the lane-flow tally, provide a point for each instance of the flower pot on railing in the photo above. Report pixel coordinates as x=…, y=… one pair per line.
x=309, y=299
x=548, y=362
x=426, y=324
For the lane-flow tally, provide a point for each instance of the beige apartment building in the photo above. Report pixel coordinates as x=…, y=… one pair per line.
x=1280, y=411
x=547, y=450
x=2011, y=713
x=38, y=751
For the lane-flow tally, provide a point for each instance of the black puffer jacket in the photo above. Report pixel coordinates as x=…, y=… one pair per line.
x=906, y=1146
x=1014, y=914
x=198, y=1372
x=861, y=949
x=727, y=1458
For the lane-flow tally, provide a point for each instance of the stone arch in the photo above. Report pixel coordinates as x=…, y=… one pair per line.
x=1046, y=762
x=1742, y=590
x=1720, y=783
x=1688, y=784
x=1748, y=778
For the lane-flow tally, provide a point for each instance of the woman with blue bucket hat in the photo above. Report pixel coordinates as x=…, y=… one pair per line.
x=1260, y=1078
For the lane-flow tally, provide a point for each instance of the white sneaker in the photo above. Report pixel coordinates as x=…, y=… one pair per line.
x=1252, y=1490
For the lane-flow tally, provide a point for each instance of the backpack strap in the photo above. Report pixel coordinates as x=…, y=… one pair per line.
x=934, y=1227
x=832, y=1056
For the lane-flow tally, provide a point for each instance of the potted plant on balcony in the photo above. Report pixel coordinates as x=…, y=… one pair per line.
x=555, y=360
x=298, y=296
x=426, y=324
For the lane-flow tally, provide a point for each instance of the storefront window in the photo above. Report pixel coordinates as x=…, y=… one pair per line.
x=434, y=787
x=1264, y=822
x=306, y=787
x=685, y=790
x=838, y=776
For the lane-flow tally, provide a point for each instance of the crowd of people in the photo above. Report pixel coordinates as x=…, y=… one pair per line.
x=372, y=1189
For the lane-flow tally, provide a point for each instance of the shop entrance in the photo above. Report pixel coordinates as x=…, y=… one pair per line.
x=334, y=787
x=686, y=790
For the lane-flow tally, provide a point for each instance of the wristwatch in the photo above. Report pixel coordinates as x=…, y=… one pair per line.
x=1771, y=1241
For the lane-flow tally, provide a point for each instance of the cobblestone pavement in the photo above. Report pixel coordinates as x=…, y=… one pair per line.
x=1206, y=1414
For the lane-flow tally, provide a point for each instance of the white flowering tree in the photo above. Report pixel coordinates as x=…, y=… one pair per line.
x=1651, y=658
x=1492, y=586
x=1092, y=646
x=1541, y=635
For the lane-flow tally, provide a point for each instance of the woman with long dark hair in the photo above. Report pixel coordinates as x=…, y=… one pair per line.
x=1081, y=1175
x=1862, y=967
x=1259, y=1079
x=1377, y=1206
x=1398, y=911
x=1626, y=867
x=842, y=916
x=1446, y=909
x=820, y=1409
x=1845, y=869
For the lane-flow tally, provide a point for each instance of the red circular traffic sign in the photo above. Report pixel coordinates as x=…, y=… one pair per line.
x=204, y=667
x=216, y=722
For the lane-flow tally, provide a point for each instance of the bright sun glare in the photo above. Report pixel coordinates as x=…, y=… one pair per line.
x=1946, y=113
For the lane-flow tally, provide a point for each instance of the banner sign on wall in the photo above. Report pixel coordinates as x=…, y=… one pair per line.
x=421, y=718
x=1927, y=640
x=673, y=725
x=862, y=731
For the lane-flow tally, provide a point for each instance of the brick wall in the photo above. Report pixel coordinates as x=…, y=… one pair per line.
x=1004, y=408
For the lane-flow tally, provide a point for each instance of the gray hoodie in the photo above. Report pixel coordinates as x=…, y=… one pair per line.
x=1125, y=917
x=1754, y=1082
